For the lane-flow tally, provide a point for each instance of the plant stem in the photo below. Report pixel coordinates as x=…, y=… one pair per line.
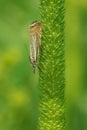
x=52, y=66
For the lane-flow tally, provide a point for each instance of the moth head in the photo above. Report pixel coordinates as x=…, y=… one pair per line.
x=35, y=24
x=35, y=27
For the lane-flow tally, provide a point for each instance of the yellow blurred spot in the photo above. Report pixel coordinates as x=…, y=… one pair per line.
x=12, y=56
x=18, y=98
x=81, y=3
x=1, y=118
x=2, y=69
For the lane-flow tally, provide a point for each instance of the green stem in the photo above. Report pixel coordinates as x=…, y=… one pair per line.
x=52, y=66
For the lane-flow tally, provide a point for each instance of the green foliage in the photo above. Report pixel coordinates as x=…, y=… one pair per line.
x=52, y=66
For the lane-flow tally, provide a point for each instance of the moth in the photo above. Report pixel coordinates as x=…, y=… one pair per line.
x=35, y=42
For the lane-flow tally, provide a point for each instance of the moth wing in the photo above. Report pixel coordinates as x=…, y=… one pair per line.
x=33, y=50
x=38, y=45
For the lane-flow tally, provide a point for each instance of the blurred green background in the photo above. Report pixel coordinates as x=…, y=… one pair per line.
x=18, y=84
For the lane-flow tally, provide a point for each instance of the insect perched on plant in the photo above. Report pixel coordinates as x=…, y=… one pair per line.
x=35, y=42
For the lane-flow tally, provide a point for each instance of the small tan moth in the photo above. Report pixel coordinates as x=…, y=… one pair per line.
x=35, y=42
